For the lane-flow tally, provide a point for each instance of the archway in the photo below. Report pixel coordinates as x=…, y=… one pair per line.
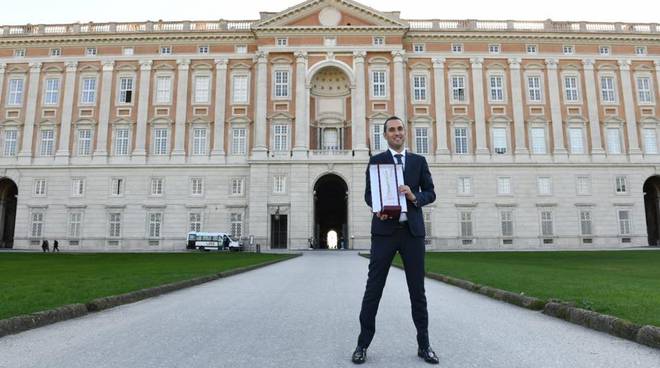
x=651, y=191
x=330, y=212
x=8, y=193
x=330, y=98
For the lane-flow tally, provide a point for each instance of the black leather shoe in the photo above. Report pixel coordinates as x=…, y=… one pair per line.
x=359, y=355
x=428, y=355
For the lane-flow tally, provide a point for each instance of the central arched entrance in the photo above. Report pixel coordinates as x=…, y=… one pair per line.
x=330, y=213
x=8, y=193
x=651, y=191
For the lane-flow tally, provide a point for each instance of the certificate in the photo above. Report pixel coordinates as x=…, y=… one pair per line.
x=385, y=180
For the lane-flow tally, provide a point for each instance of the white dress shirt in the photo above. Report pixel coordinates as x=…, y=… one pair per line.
x=403, y=216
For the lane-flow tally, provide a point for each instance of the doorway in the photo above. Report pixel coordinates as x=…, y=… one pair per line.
x=651, y=190
x=8, y=193
x=330, y=213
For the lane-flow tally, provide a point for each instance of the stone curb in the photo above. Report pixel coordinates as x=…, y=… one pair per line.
x=646, y=335
x=26, y=322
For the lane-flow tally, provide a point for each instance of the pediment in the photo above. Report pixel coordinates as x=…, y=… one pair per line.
x=330, y=14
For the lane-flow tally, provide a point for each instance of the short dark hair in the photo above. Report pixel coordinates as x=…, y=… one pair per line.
x=393, y=117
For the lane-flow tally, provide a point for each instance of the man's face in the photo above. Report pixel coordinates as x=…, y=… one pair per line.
x=395, y=134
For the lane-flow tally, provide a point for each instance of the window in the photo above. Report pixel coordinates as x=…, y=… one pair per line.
x=608, y=93
x=624, y=222
x=503, y=185
x=571, y=91
x=121, y=142
x=196, y=186
x=569, y=49
x=114, y=225
x=37, y=224
x=466, y=225
x=239, y=141
x=457, y=48
x=279, y=184
x=88, y=91
x=10, y=142
x=117, y=187
x=419, y=48
x=39, y=187
x=427, y=223
x=160, y=141
x=203, y=49
x=163, y=89
x=547, y=226
x=330, y=41
x=166, y=50
x=586, y=224
x=458, y=88
x=613, y=141
x=576, y=140
x=15, y=92
x=52, y=92
x=650, y=141
x=644, y=94
x=497, y=88
x=604, y=50
x=199, y=141
x=280, y=137
x=422, y=140
x=202, y=89
x=47, y=142
x=621, y=184
x=379, y=41
x=461, y=140
x=155, y=223
x=640, y=50
x=419, y=88
x=195, y=221
x=75, y=222
x=282, y=42
x=19, y=53
x=90, y=51
x=544, y=185
x=534, y=88
x=157, y=186
x=538, y=141
x=125, y=90
x=532, y=49
x=378, y=83
x=281, y=83
x=583, y=185
x=499, y=140
x=128, y=51
x=237, y=186
x=378, y=143
x=77, y=187
x=464, y=185
x=240, y=89
x=506, y=223
x=241, y=49
x=494, y=48
x=236, y=220
x=84, y=142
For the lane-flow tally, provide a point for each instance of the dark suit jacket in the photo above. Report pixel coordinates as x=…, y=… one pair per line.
x=417, y=176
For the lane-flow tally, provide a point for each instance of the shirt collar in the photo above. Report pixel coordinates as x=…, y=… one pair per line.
x=393, y=152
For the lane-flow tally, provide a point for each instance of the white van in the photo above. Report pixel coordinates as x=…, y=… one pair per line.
x=211, y=240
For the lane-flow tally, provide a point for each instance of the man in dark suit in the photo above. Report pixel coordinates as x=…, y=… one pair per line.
x=404, y=234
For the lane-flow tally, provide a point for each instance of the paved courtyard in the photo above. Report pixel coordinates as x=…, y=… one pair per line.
x=304, y=313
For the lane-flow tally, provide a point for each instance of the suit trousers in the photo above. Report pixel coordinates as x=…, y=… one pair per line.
x=383, y=250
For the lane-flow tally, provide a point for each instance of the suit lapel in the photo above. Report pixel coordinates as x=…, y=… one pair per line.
x=407, y=167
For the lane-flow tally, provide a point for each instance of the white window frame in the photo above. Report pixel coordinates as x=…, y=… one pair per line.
x=37, y=224
x=501, y=88
x=236, y=149
x=507, y=144
x=121, y=91
x=281, y=135
x=385, y=83
x=602, y=91
x=619, y=140
x=281, y=42
x=544, y=183
x=467, y=139
x=20, y=53
x=604, y=50
x=157, y=186
x=74, y=228
x=582, y=142
x=84, y=142
x=165, y=50
x=419, y=48
x=465, y=217
x=649, y=91
x=39, y=187
x=198, y=93
x=236, y=223
x=500, y=186
x=91, y=51
x=279, y=184
x=576, y=90
x=42, y=142
x=10, y=146
x=532, y=138
x=279, y=86
x=423, y=90
x=154, y=224
x=15, y=98
x=532, y=49
x=160, y=144
x=494, y=48
x=650, y=140
x=457, y=48
x=160, y=93
x=237, y=183
x=52, y=95
x=568, y=49
x=241, y=49
x=78, y=187
x=378, y=41
x=115, y=224
x=417, y=128
x=128, y=51
x=641, y=50
x=234, y=95
x=203, y=49
x=464, y=186
x=196, y=186
x=330, y=41
x=624, y=226
x=378, y=139
x=197, y=223
x=542, y=233
x=199, y=145
x=466, y=94
x=587, y=187
x=117, y=141
x=621, y=186
x=585, y=219
x=511, y=220
x=86, y=93
x=528, y=88
x=117, y=186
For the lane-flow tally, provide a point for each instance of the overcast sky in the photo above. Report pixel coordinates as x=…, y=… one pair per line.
x=71, y=11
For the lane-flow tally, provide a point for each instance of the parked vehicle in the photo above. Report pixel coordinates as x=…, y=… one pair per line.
x=212, y=240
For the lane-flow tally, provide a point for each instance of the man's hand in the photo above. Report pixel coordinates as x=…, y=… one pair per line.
x=382, y=216
x=409, y=194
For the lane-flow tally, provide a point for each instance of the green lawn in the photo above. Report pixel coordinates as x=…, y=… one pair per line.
x=625, y=284
x=33, y=282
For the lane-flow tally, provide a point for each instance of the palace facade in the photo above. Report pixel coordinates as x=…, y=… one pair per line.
x=125, y=136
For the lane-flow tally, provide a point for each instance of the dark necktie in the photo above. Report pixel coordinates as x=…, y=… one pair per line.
x=398, y=159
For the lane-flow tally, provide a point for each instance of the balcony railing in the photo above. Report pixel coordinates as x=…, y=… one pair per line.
x=532, y=26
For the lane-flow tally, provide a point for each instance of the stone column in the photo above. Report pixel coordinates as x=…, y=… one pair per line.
x=62, y=154
x=220, y=103
x=25, y=154
x=517, y=102
x=358, y=106
x=629, y=106
x=592, y=105
x=400, y=85
x=105, y=101
x=139, y=151
x=260, y=107
x=555, y=108
x=301, y=145
x=181, y=109
x=479, y=113
x=440, y=106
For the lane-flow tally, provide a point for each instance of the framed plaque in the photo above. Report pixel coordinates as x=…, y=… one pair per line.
x=385, y=197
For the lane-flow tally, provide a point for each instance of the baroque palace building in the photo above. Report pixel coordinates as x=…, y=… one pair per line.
x=122, y=136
